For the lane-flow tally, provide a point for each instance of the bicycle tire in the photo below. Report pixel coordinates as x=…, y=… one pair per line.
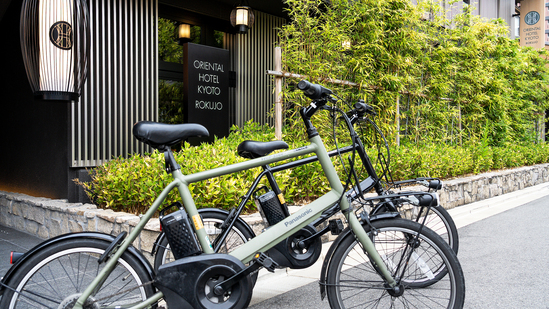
x=350, y=270
x=55, y=277
x=212, y=220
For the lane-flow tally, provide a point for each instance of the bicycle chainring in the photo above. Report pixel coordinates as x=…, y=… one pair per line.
x=288, y=253
x=209, y=279
x=191, y=281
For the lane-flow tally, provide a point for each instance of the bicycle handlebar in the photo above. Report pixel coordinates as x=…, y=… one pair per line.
x=313, y=91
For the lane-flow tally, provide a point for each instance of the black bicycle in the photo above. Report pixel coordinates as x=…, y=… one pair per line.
x=228, y=231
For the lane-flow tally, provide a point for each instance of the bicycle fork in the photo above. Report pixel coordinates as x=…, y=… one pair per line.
x=367, y=244
x=110, y=264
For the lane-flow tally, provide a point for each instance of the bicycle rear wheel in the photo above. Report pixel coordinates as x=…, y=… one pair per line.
x=354, y=282
x=56, y=276
x=212, y=223
x=439, y=220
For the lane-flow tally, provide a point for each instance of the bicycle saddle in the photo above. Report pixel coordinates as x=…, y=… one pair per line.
x=161, y=135
x=254, y=149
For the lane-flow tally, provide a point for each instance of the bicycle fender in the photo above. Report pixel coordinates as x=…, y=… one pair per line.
x=337, y=242
x=95, y=235
x=202, y=211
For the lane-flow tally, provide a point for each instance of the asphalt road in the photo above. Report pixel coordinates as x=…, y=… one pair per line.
x=505, y=259
x=13, y=240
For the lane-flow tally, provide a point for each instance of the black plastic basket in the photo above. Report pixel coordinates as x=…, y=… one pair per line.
x=179, y=231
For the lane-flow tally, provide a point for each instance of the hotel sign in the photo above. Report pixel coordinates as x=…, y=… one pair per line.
x=532, y=23
x=206, y=88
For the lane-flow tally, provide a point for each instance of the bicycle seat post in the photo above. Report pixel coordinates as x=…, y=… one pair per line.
x=170, y=163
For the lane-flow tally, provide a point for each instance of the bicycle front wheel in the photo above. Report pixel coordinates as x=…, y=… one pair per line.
x=353, y=281
x=56, y=276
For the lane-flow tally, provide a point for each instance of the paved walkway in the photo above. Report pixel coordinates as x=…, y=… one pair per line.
x=13, y=240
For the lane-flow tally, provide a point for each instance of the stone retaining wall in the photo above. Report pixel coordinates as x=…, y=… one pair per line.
x=48, y=218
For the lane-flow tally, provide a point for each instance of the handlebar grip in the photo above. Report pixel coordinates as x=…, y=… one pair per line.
x=435, y=184
x=363, y=108
x=428, y=200
x=313, y=91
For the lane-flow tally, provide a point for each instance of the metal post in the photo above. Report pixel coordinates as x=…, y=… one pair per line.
x=278, y=94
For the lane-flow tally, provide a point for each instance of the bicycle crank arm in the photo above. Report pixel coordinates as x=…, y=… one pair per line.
x=260, y=260
x=309, y=240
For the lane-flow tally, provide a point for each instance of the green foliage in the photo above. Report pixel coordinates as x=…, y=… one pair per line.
x=170, y=93
x=168, y=49
x=170, y=96
x=132, y=184
x=444, y=161
x=488, y=79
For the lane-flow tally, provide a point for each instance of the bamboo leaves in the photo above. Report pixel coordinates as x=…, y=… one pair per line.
x=416, y=49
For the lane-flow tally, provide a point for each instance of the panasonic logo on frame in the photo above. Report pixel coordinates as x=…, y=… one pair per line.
x=294, y=220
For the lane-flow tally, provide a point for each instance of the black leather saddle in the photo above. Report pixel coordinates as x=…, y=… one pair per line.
x=161, y=135
x=253, y=149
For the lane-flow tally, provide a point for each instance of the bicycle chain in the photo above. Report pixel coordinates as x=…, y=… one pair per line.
x=124, y=291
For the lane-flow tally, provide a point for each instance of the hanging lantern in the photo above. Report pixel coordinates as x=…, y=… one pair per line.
x=242, y=17
x=55, y=45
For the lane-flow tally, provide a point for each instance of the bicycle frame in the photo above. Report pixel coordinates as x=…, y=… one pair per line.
x=267, y=239
x=268, y=172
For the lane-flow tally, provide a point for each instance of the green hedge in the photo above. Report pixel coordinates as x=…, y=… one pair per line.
x=447, y=161
x=132, y=184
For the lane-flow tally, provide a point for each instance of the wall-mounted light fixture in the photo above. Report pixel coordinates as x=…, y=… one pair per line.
x=55, y=45
x=242, y=17
x=346, y=44
x=184, y=33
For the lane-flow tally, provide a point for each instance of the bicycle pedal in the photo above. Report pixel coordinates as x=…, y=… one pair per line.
x=265, y=261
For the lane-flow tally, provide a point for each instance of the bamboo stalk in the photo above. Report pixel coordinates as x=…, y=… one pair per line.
x=278, y=94
x=348, y=83
x=397, y=121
